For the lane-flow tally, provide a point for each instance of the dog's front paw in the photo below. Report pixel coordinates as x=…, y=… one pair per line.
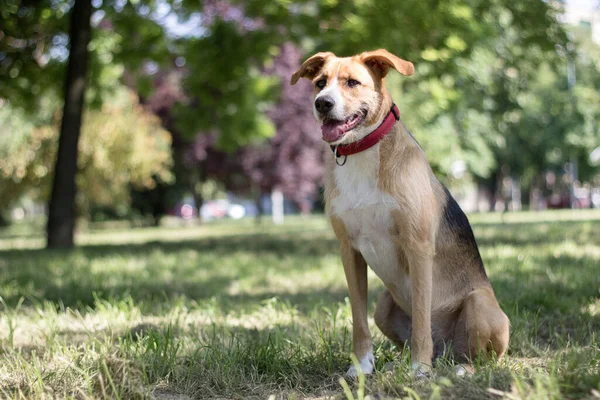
x=366, y=365
x=421, y=371
x=463, y=370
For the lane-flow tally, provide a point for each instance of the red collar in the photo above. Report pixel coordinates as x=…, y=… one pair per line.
x=371, y=139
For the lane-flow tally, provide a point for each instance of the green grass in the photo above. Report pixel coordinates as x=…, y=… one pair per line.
x=235, y=310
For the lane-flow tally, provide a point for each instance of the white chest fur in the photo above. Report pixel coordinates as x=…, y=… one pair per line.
x=367, y=215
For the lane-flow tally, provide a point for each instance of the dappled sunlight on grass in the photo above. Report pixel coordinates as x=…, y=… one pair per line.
x=240, y=310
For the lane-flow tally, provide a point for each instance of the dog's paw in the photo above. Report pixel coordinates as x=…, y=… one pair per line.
x=389, y=366
x=421, y=371
x=366, y=365
x=463, y=369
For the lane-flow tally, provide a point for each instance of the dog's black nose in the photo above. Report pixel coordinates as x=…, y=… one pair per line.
x=324, y=104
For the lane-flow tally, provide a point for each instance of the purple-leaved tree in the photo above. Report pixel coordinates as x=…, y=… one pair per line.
x=290, y=161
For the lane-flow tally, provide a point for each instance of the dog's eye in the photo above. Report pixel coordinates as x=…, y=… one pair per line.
x=352, y=82
x=321, y=83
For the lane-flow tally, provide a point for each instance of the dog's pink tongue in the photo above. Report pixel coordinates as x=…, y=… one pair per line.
x=332, y=130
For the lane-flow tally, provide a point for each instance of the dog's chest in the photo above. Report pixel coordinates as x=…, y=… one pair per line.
x=367, y=213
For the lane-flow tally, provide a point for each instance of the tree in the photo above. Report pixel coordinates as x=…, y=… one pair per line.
x=291, y=161
x=456, y=100
x=32, y=49
x=221, y=63
x=121, y=146
x=27, y=69
x=473, y=112
x=61, y=208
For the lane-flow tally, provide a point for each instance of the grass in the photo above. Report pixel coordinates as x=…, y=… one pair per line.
x=235, y=310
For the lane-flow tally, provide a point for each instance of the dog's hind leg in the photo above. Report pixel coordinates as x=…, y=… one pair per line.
x=391, y=320
x=481, y=328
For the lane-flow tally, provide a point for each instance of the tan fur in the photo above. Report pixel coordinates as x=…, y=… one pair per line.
x=450, y=298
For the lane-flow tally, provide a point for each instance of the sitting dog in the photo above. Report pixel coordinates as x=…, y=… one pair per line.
x=389, y=211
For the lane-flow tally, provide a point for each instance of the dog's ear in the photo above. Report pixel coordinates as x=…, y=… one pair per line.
x=311, y=67
x=380, y=61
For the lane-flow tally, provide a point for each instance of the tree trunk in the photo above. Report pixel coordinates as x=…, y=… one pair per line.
x=61, y=210
x=198, y=177
x=259, y=209
x=493, y=187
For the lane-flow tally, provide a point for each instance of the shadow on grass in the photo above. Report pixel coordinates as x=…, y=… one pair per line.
x=535, y=233
x=280, y=244
x=200, y=269
x=196, y=269
x=547, y=296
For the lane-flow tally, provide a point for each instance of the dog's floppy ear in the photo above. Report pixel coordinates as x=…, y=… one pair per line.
x=382, y=60
x=311, y=67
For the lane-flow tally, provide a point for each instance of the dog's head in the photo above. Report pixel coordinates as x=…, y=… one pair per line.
x=350, y=94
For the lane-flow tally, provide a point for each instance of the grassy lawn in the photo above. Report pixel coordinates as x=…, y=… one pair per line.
x=235, y=310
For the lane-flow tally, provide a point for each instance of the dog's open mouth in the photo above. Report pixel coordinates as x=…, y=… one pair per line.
x=333, y=130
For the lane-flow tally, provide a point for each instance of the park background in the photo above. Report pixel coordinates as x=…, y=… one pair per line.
x=143, y=144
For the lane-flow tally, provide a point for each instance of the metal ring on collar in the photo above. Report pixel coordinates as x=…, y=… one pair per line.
x=337, y=157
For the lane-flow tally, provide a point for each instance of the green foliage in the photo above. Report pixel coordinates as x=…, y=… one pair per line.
x=121, y=145
x=489, y=89
x=507, y=103
x=23, y=162
x=228, y=84
x=32, y=37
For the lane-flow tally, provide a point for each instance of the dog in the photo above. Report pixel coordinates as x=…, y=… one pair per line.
x=389, y=211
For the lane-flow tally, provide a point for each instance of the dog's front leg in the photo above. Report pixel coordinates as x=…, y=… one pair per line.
x=420, y=259
x=355, y=269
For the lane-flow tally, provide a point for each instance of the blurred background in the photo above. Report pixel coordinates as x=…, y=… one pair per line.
x=180, y=112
